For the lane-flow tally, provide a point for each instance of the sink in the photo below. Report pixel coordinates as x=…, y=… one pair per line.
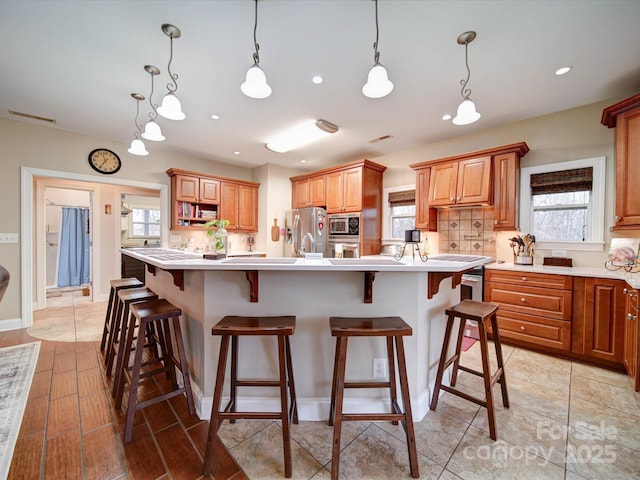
x=262, y=260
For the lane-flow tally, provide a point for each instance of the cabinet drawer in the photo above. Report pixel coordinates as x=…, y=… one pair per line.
x=554, y=304
x=560, y=282
x=537, y=330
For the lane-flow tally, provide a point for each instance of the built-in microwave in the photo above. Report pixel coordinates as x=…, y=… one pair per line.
x=344, y=224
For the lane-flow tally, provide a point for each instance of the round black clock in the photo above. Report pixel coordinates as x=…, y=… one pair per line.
x=103, y=160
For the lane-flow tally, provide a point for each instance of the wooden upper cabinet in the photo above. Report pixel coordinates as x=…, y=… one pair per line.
x=344, y=191
x=426, y=216
x=442, y=185
x=195, y=198
x=625, y=117
x=506, y=174
x=467, y=182
x=309, y=192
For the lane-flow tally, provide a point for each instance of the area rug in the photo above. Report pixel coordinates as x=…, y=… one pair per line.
x=17, y=365
x=467, y=343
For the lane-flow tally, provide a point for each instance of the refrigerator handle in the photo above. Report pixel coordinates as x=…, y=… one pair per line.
x=296, y=235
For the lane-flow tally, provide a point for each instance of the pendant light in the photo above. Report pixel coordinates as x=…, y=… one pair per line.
x=255, y=84
x=152, y=129
x=137, y=146
x=467, y=109
x=171, y=108
x=378, y=84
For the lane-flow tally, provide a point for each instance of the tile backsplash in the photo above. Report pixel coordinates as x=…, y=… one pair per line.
x=467, y=231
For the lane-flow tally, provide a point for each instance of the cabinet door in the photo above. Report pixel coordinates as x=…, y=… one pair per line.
x=352, y=193
x=442, y=184
x=300, y=194
x=505, y=200
x=474, y=181
x=426, y=217
x=317, y=191
x=627, y=169
x=209, y=191
x=229, y=204
x=187, y=188
x=335, y=192
x=631, y=358
x=604, y=312
x=247, y=208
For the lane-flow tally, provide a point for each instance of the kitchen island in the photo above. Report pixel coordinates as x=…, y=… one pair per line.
x=312, y=290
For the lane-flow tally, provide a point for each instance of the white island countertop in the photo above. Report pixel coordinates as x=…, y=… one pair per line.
x=168, y=259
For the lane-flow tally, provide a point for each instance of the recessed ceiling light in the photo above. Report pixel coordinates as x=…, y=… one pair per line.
x=215, y=117
x=317, y=79
x=446, y=116
x=236, y=153
x=563, y=70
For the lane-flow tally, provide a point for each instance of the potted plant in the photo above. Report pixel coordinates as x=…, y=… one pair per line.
x=216, y=228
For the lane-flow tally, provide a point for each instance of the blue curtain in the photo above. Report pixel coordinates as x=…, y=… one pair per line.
x=74, y=259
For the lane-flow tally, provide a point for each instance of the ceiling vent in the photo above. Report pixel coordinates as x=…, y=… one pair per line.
x=380, y=139
x=33, y=117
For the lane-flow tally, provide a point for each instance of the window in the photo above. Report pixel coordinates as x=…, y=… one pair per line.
x=399, y=211
x=563, y=204
x=145, y=222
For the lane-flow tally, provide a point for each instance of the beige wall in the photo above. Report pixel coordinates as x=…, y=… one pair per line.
x=563, y=136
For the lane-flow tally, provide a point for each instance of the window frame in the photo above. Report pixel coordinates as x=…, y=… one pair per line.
x=386, y=212
x=131, y=222
x=595, y=238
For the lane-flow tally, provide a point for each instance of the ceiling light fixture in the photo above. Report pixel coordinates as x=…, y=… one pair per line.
x=302, y=135
x=171, y=108
x=152, y=129
x=378, y=84
x=137, y=146
x=255, y=84
x=467, y=109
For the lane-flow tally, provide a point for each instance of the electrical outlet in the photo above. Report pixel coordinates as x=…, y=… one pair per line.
x=379, y=367
x=8, y=238
x=175, y=238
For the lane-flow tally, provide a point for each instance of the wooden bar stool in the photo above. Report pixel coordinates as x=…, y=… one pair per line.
x=158, y=313
x=230, y=328
x=116, y=347
x=482, y=313
x=116, y=285
x=393, y=328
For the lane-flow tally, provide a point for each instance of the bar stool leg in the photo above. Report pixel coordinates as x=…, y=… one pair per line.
x=284, y=409
x=332, y=406
x=498, y=346
x=341, y=354
x=214, y=422
x=133, y=390
x=233, y=393
x=125, y=364
x=441, y=363
x=107, y=320
x=392, y=375
x=406, y=403
x=484, y=351
x=293, y=409
x=456, y=362
x=182, y=356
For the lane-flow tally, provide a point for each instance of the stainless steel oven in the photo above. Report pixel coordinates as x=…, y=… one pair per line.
x=471, y=287
x=344, y=247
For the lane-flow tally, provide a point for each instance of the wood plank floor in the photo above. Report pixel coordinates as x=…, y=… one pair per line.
x=71, y=429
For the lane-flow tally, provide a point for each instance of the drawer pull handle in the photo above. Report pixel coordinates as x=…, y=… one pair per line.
x=523, y=300
x=630, y=316
x=524, y=279
x=522, y=328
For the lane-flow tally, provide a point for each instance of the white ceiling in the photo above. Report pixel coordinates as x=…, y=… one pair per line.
x=78, y=61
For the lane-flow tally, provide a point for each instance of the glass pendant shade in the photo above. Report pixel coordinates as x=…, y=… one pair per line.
x=378, y=84
x=137, y=148
x=255, y=85
x=152, y=132
x=171, y=108
x=466, y=113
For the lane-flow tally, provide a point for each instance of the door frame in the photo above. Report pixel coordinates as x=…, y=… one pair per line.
x=30, y=197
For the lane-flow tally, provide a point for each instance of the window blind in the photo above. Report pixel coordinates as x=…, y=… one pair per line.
x=576, y=180
x=406, y=197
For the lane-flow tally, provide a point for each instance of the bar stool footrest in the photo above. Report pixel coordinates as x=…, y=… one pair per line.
x=367, y=384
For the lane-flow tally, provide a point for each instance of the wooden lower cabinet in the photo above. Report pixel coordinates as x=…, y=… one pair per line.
x=571, y=316
x=598, y=315
x=631, y=356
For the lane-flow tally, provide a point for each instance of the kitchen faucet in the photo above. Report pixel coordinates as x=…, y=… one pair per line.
x=311, y=241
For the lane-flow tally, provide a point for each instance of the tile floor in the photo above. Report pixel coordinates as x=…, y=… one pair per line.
x=567, y=421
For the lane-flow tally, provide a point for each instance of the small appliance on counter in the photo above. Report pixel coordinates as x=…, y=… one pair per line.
x=523, y=247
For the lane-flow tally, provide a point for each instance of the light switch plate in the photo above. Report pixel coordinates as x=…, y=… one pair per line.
x=8, y=238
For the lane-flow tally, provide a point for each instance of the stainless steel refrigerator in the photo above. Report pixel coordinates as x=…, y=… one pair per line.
x=305, y=231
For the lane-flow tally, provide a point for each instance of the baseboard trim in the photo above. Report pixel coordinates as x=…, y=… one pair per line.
x=10, y=324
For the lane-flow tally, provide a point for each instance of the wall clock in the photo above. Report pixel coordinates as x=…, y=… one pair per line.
x=105, y=161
